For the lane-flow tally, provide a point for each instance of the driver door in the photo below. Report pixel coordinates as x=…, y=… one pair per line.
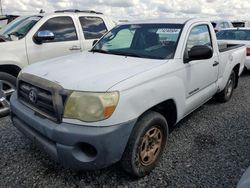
x=65, y=42
x=201, y=75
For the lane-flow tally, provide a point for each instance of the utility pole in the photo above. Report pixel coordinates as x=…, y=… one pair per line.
x=1, y=9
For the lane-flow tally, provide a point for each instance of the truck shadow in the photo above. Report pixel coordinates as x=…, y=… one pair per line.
x=246, y=73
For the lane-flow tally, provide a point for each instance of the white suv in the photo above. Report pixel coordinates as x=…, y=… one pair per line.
x=30, y=39
x=221, y=24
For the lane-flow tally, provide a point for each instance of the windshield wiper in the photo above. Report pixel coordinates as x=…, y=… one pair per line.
x=17, y=34
x=99, y=51
x=126, y=54
x=131, y=54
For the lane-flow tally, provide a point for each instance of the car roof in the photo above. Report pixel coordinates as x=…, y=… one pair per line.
x=216, y=21
x=236, y=28
x=164, y=21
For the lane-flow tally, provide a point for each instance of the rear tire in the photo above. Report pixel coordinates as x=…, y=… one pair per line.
x=226, y=94
x=146, y=144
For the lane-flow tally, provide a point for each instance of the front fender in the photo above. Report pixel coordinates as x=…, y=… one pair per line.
x=147, y=95
x=13, y=53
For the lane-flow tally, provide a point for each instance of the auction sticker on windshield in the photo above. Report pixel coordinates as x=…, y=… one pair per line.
x=168, y=31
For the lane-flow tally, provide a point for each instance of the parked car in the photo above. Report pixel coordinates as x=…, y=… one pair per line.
x=239, y=36
x=221, y=24
x=241, y=23
x=4, y=20
x=118, y=101
x=29, y=39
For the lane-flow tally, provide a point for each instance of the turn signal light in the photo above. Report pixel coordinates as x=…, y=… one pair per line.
x=248, y=51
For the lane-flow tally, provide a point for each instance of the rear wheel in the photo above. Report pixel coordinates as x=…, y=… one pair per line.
x=226, y=94
x=7, y=87
x=145, y=145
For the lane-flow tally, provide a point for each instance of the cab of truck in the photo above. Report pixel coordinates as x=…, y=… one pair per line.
x=33, y=38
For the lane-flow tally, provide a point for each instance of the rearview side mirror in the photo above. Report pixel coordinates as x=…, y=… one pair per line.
x=43, y=36
x=199, y=52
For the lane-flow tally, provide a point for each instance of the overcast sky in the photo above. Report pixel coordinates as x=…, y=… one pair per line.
x=139, y=9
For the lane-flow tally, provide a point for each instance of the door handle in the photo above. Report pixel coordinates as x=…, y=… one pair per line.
x=75, y=48
x=215, y=63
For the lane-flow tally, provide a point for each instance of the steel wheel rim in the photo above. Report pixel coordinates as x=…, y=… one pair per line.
x=6, y=89
x=151, y=146
x=230, y=87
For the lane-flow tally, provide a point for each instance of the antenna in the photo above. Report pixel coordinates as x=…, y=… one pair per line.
x=1, y=9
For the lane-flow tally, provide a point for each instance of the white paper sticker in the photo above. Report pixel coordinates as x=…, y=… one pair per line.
x=168, y=31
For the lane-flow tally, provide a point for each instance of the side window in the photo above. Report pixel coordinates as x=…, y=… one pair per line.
x=93, y=27
x=63, y=28
x=199, y=35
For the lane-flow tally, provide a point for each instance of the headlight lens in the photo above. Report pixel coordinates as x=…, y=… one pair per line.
x=91, y=107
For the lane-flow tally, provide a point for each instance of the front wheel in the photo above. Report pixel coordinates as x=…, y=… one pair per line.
x=226, y=94
x=7, y=87
x=146, y=144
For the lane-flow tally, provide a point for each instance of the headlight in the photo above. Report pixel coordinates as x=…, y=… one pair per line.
x=90, y=107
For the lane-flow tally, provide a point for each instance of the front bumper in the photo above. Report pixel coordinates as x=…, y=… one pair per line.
x=74, y=146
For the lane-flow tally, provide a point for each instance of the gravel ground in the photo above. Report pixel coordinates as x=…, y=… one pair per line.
x=209, y=148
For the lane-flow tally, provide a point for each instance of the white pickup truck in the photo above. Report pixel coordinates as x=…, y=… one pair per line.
x=118, y=101
x=29, y=39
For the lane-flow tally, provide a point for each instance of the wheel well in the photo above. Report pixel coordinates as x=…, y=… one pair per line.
x=10, y=69
x=236, y=69
x=168, y=110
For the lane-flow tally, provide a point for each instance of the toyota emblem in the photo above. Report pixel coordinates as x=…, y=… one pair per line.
x=33, y=96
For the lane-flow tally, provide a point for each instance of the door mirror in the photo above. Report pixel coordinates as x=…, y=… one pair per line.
x=199, y=52
x=94, y=42
x=42, y=36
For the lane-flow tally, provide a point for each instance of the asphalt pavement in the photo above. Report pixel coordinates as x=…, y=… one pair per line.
x=209, y=148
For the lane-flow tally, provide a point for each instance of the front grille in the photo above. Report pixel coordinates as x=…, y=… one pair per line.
x=42, y=103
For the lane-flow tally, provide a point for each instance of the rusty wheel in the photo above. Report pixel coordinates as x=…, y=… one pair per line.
x=151, y=146
x=226, y=94
x=146, y=144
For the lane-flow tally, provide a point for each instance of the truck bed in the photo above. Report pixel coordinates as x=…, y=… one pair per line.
x=223, y=46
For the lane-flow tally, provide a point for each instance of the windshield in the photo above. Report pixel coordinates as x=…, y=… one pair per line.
x=19, y=27
x=3, y=22
x=156, y=41
x=233, y=35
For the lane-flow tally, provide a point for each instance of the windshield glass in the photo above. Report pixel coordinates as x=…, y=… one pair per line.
x=3, y=22
x=156, y=41
x=233, y=35
x=19, y=27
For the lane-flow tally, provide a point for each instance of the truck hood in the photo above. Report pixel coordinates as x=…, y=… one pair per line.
x=91, y=71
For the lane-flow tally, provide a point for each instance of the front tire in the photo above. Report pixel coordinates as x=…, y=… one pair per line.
x=226, y=94
x=146, y=144
x=7, y=87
